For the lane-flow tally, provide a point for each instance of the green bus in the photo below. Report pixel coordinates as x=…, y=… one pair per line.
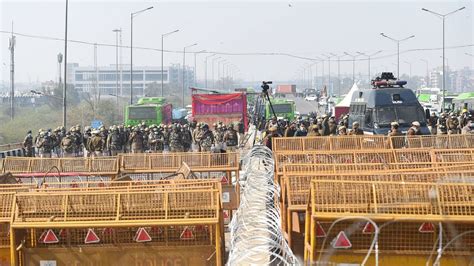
x=284, y=109
x=150, y=110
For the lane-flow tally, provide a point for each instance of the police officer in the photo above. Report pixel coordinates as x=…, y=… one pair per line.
x=28, y=145
x=355, y=129
x=114, y=141
x=175, y=139
x=453, y=124
x=291, y=130
x=231, y=138
x=342, y=131
x=196, y=138
x=44, y=145
x=394, y=131
x=136, y=141
x=432, y=123
x=206, y=139
x=67, y=145
x=187, y=138
x=301, y=132
x=272, y=133
x=469, y=128
x=96, y=144
x=414, y=130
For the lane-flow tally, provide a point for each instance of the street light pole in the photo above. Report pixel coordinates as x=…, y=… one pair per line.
x=427, y=71
x=212, y=67
x=65, y=66
x=132, y=15
x=205, y=68
x=184, y=70
x=162, y=56
x=398, y=41
x=116, y=71
x=195, y=67
x=443, y=17
x=369, y=56
x=338, y=72
x=353, y=65
x=408, y=63
x=329, y=72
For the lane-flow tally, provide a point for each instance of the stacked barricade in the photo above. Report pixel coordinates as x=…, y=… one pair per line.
x=169, y=215
x=371, y=142
x=380, y=222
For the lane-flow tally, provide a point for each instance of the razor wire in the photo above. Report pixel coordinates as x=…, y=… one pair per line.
x=255, y=230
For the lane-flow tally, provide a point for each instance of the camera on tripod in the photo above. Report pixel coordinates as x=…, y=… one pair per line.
x=265, y=87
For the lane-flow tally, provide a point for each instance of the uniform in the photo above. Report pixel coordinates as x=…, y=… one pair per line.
x=96, y=145
x=231, y=139
x=67, y=146
x=136, y=140
x=28, y=145
x=114, y=142
x=175, y=139
x=206, y=140
x=44, y=145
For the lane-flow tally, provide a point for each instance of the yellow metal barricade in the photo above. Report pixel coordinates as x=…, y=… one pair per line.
x=407, y=215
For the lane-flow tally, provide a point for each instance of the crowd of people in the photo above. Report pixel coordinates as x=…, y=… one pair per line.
x=76, y=142
x=326, y=125
x=220, y=138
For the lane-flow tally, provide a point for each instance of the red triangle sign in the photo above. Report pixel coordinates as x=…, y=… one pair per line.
x=426, y=228
x=187, y=234
x=91, y=237
x=368, y=228
x=142, y=235
x=341, y=241
x=50, y=237
x=41, y=238
x=320, y=230
x=224, y=180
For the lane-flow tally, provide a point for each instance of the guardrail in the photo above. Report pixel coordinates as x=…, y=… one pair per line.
x=12, y=146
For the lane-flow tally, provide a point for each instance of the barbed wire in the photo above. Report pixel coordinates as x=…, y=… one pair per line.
x=256, y=236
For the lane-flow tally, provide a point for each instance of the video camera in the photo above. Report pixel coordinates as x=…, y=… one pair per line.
x=265, y=87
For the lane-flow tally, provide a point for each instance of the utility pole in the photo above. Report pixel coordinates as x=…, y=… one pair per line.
x=12, y=74
x=338, y=72
x=195, y=67
x=398, y=41
x=65, y=67
x=120, y=63
x=96, y=69
x=443, y=17
x=117, y=71
x=184, y=70
x=205, y=69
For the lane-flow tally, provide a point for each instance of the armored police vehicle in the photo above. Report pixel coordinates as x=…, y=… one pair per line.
x=386, y=102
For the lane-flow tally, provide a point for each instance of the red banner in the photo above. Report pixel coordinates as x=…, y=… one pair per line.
x=230, y=107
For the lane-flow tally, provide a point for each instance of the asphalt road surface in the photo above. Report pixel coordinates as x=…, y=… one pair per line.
x=305, y=107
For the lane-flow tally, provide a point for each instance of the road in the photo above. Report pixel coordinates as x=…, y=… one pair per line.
x=304, y=107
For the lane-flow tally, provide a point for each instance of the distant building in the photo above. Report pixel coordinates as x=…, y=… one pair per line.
x=88, y=79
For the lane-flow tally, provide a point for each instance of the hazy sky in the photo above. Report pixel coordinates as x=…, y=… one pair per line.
x=306, y=28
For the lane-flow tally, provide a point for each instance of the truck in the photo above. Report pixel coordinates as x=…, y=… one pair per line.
x=221, y=107
x=388, y=101
x=282, y=90
x=149, y=110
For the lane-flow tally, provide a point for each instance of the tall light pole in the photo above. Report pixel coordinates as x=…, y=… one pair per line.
x=329, y=71
x=338, y=71
x=65, y=65
x=162, y=59
x=117, y=31
x=195, y=67
x=205, y=68
x=11, y=47
x=408, y=63
x=353, y=65
x=369, y=56
x=398, y=41
x=212, y=68
x=427, y=71
x=132, y=15
x=184, y=69
x=219, y=69
x=443, y=17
